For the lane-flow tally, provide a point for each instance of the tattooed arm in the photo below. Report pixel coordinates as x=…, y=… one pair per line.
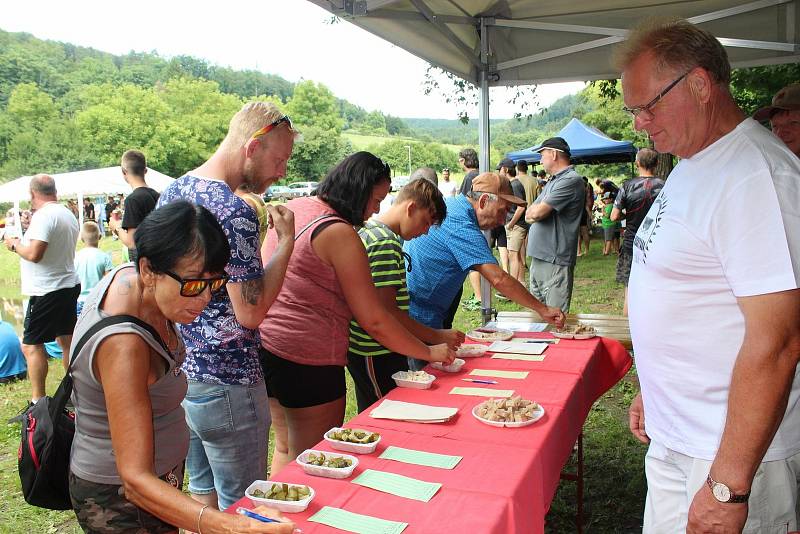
x=251, y=299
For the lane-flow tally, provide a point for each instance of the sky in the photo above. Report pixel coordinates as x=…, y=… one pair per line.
x=290, y=38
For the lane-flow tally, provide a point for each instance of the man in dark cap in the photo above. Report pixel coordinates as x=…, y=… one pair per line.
x=784, y=116
x=555, y=218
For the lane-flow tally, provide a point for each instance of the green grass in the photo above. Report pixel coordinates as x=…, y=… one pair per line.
x=361, y=141
x=614, y=460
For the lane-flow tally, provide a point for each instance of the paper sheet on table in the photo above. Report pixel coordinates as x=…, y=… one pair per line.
x=358, y=523
x=517, y=348
x=523, y=357
x=499, y=374
x=516, y=326
x=428, y=459
x=402, y=486
x=410, y=411
x=482, y=392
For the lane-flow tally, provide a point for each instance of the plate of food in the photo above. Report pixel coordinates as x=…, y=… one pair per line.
x=327, y=464
x=352, y=440
x=280, y=495
x=471, y=351
x=490, y=334
x=413, y=379
x=513, y=412
x=454, y=367
x=576, y=331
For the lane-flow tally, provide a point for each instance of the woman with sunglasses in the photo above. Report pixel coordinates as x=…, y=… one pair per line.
x=305, y=334
x=131, y=437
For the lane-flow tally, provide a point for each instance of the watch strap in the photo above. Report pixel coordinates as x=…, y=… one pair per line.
x=734, y=498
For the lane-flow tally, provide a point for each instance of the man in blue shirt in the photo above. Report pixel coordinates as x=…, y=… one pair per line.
x=442, y=258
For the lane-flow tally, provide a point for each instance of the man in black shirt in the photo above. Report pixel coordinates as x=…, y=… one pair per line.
x=139, y=203
x=468, y=159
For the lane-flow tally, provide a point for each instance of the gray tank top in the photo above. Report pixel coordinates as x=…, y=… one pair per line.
x=92, y=452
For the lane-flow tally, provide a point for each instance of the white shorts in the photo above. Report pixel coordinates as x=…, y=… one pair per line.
x=673, y=479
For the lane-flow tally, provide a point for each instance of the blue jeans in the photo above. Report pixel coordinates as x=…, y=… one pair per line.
x=228, y=438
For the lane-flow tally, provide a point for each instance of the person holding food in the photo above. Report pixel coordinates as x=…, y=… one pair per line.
x=328, y=282
x=418, y=206
x=443, y=257
x=131, y=436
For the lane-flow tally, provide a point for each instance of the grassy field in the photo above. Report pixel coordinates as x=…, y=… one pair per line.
x=614, y=477
x=361, y=142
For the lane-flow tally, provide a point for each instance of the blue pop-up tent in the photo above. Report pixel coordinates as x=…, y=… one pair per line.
x=587, y=144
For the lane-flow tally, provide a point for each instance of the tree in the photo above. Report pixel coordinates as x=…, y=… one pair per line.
x=314, y=104
x=31, y=107
x=320, y=150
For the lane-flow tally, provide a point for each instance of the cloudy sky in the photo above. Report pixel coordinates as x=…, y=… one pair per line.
x=290, y=38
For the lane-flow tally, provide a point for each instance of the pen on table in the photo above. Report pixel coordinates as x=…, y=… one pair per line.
x=252, y=515
x=479, y=381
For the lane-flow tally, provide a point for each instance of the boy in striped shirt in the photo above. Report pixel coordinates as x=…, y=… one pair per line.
x=418, y=206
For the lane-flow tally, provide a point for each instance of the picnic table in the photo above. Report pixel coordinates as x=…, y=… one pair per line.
x=507, y=476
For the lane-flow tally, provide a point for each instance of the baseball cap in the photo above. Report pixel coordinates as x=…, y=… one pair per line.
x=491, y=182
x=508, y=163
x=556, y=143
x=787, y=99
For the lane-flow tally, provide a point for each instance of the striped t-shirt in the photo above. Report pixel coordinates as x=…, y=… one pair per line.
x=388, y=267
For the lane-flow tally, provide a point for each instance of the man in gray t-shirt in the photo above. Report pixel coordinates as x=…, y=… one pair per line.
x=556, y=218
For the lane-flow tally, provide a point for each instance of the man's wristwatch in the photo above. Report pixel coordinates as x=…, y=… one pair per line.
x=723, y=493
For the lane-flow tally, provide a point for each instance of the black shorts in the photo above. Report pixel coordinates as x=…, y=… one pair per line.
x=296, y=385
x=372, y=376
x=498, y=237
x=51, y=315
x=584, y=218
x=624, y=261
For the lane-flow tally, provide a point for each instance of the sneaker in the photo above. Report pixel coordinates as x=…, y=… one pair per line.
x=21, y=415
x=500, y=296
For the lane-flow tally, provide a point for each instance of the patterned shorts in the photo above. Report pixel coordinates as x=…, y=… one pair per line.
x=103, y=508
x=624, y=266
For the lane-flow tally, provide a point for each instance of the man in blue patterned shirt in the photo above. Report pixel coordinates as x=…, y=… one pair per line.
x=443, y=257
x=226, y=406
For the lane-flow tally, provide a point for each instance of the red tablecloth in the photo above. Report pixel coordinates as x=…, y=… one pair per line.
x=508, y=476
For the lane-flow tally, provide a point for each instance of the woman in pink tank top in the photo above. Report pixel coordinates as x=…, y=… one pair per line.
x=328, y=282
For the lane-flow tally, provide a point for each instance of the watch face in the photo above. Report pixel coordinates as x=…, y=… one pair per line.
x=721, y=492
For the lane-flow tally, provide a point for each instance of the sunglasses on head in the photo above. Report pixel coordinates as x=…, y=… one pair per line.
x=192, y=287
x=269, y=127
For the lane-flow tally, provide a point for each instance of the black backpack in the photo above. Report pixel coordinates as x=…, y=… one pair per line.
x=47, y=432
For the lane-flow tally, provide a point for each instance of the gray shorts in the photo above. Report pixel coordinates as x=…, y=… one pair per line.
x=551, y=283
x=610, y=234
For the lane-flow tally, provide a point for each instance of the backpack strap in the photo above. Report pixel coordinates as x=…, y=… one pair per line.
x=64, y=390
x=315, y=221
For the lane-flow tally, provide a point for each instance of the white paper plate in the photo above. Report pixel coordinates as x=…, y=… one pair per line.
x=283, y=506
x=327, y=472
x=346, y=446
x=454, y=367
x=538, y=414
x=413, y=384
x=471, y=351
x=495, y=335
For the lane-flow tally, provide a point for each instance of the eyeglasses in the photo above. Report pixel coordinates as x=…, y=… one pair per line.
x=192, y=287
x=647, y=108
x=269, y=127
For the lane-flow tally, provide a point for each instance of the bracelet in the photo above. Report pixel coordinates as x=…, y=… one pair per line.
x=199, y=517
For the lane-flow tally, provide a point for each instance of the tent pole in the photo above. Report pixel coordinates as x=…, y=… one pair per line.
x=483, y=139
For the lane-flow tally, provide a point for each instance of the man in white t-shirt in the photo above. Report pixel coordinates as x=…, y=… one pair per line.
x=447, y=186
x=714, y=305
x=47, y=269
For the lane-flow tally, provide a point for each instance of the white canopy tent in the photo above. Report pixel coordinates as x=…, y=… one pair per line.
x=78, y=184
x=519, y=42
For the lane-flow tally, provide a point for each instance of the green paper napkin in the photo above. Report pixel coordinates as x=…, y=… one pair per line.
x=358, y=523
x=428, y=459
x=399, y=485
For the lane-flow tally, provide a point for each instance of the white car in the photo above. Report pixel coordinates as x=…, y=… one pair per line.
x=300, y=189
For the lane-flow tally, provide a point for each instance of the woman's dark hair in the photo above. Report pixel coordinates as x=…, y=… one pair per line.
x=178, y=230
x=348, y=187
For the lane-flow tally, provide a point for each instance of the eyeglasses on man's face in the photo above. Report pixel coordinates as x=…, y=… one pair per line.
x=271, y=126
x=192, y=287
x=646, y=111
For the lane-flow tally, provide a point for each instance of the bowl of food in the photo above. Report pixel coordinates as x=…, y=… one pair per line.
x=454, y=367
x=513, y=412
x=490, y=334
x=413, y=379
x=280, y=495
x=576, y=331
x=471, y=351
x=352, y=440
x=327, y=464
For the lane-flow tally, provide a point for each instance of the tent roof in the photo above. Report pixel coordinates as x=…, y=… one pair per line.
x=587, y=145
x=542, y=41
x=92, y=182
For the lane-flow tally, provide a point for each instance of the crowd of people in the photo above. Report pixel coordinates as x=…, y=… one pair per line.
x=235, y=316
